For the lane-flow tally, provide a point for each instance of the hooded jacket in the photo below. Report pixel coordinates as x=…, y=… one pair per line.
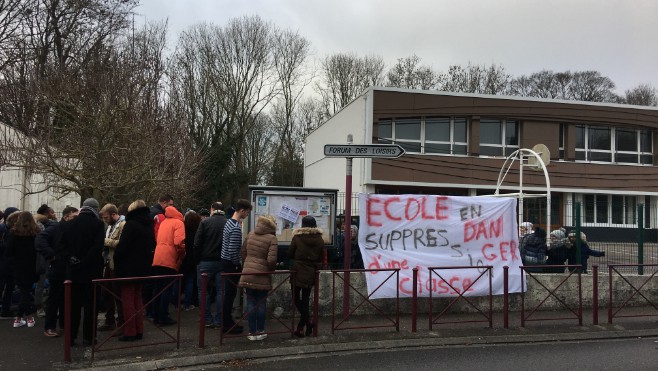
x=534, y=248
x=306, y=249
x=132, y=256
x=170, y=246
x=259, y=252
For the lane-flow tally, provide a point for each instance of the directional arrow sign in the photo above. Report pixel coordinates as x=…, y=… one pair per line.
x=363, y=150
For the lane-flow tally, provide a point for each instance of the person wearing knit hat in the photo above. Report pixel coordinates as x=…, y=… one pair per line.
x=91, y=202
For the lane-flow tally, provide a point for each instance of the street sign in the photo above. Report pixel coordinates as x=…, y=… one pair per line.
x=363, y=150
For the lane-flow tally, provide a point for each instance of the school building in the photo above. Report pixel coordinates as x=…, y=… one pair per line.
x=601, y=155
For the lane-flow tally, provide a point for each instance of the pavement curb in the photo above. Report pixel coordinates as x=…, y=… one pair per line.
x=433, y=339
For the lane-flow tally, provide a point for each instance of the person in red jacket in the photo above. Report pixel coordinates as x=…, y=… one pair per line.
x=169, y=254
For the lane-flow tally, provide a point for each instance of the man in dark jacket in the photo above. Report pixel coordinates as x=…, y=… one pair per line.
x=46, y=244
x=82, y=242
x=207, y=251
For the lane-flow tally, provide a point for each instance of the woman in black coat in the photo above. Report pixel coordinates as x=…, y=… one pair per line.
x=20, y=246
x=132, y=258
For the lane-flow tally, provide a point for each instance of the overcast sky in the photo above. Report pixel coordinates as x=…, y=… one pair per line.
x=618, y=38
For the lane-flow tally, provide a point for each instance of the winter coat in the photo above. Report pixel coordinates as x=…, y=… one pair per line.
x=533, y=248
x=158, y=216
x=45, y=244
x=112, y=240
x=82, y=244
x=259, y=252
x=170, y=242
x=558, y=252
x=209, y=237
x=190, y=262
x=21, y=249
x=585, y=253
x=307, y=250
x=132, y=256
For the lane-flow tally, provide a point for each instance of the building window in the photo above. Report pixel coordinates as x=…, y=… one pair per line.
x=445, y=135
x=431, y=135
x=498, y=137
x=604, y=210
x=614, y=145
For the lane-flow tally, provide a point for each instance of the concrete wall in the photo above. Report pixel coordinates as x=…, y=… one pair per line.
x=568, y=292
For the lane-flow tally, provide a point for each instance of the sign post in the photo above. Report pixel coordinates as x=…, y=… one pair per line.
x=350, y=151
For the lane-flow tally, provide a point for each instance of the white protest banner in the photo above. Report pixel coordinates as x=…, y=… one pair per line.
x=407, y=231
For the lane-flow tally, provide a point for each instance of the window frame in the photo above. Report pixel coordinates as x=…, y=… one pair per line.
x=423, y=142
x=506, y=149
x=586, y=151
x=592, y=210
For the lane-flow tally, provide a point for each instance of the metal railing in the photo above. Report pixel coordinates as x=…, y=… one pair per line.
x=339, y=275
x=552, y=292
x=636, y=291
x=460, y=295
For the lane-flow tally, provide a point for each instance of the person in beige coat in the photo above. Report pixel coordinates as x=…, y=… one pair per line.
x=258, y=252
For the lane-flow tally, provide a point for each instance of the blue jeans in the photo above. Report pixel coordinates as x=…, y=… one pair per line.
x=214, y=270
x=256, y=307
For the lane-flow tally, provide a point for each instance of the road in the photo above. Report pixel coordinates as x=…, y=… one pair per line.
x=624, y=354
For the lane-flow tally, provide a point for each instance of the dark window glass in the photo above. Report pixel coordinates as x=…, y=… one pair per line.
x=626, y=158
x=407, y=129
x=491, y=151
x=509, y=151
x=631, y=206
x=437, y=129
x=490, y=132
x=580, y=155
x=460, y=130
x=600, y=156
x=601, y=208
x=589, y=208
x=599, y=137
x=646, y=159
x=580, y=137
x=645, y=141
x=410, y=147
x=442, y=148
x=459, y=149
x=511, y=133
x=626, y=140
x=384, y=131
x=617, y=209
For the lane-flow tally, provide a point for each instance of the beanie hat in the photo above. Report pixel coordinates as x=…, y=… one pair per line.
x=309, y=222
x=91, y=202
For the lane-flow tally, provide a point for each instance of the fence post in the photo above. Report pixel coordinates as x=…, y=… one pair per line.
x=578, y=242
x=595, y=294
x=414, y=303
x=316, y=302
x=202, y=310
x=506, y=297
x=640, y=238
x=67, y=321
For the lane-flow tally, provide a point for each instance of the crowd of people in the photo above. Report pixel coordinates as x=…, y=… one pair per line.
x=147, y=248
x=551, y=257
x=138, y=243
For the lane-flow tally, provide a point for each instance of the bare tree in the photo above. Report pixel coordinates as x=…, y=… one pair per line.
x=641, y=95
x=291, y=52
x=475, y=79
x=85, y=97
x=222, y=80
x=591, y=86
x=408, y=74
x=345, y=76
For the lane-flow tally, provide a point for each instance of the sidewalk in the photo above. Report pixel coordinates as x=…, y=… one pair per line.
x=234, y=349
